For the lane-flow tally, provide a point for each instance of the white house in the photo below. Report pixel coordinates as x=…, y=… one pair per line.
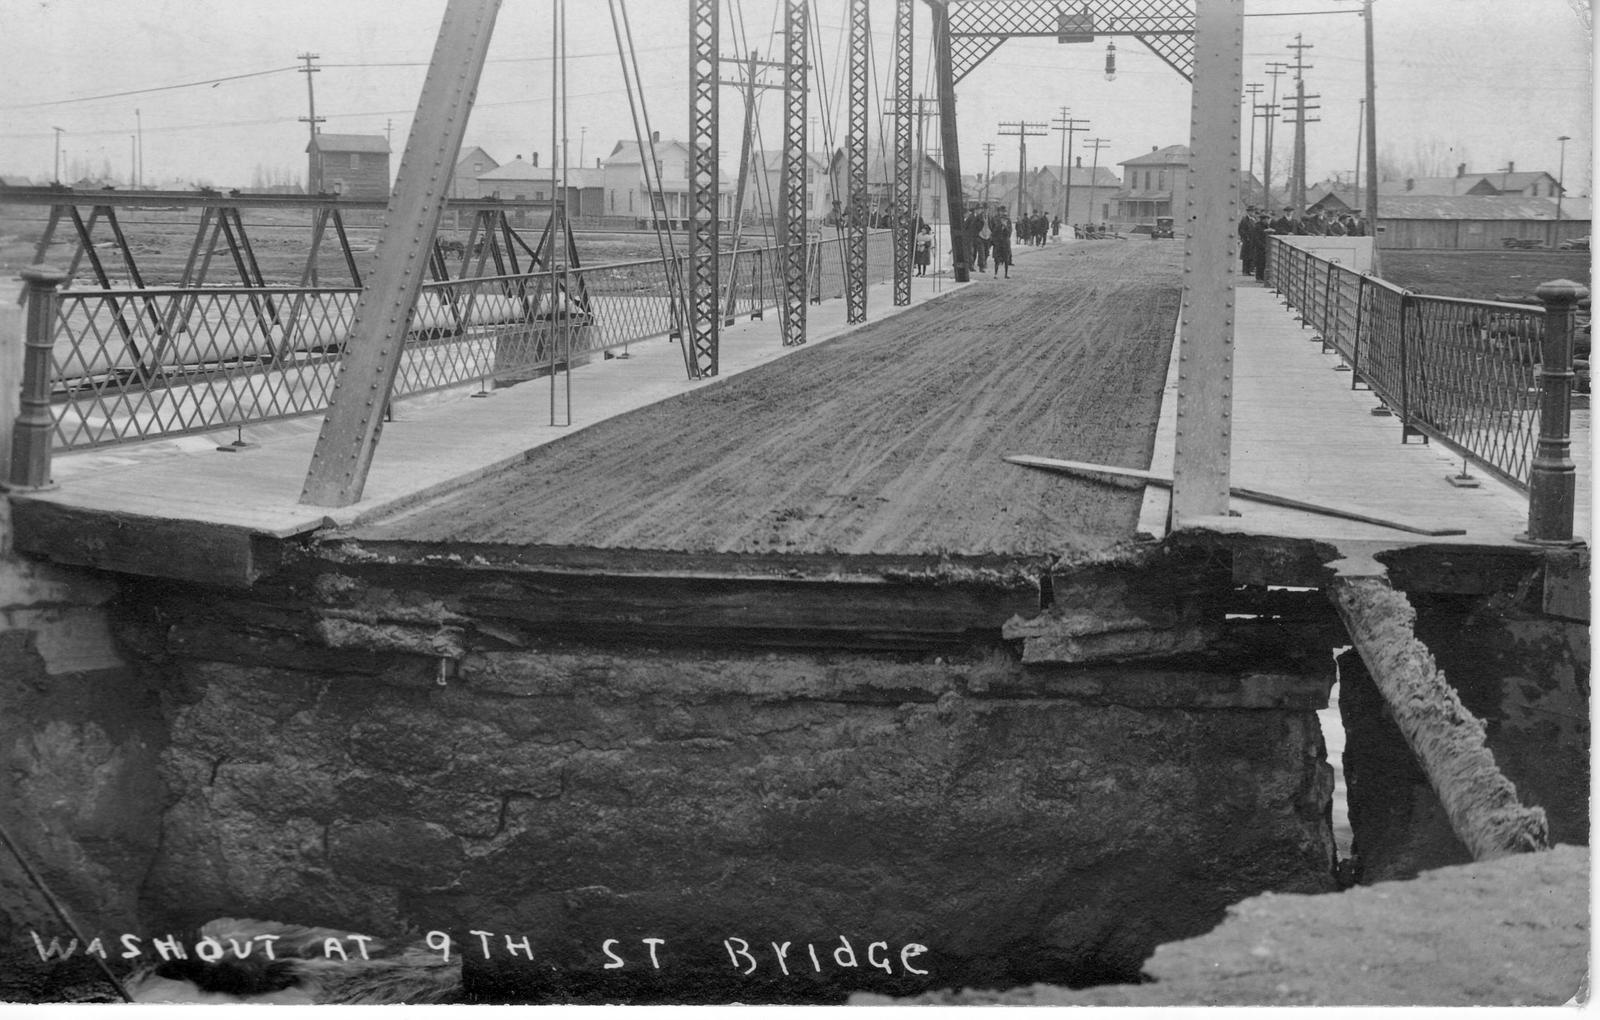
x=626, y=193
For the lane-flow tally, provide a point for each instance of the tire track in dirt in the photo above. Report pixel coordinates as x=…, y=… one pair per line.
x=885, y=441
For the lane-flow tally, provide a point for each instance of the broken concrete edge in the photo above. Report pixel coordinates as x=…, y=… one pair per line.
x=1448, y=740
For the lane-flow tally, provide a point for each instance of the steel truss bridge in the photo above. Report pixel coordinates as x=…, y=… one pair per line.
x=1201, y=40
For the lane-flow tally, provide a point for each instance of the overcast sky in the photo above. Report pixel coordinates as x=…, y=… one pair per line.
x=1477, y=81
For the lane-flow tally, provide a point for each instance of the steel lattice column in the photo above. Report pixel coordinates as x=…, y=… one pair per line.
x=855, y=277
x=354, y=422
x=905, y=221
x=793, y=225
x=1200, y=470
x=703, y=186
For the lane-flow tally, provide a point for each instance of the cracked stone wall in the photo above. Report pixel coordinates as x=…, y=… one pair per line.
x=80, y=790
x=1016, y=821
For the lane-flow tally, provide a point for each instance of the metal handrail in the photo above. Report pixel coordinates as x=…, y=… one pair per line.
x=198, y=359
x=1456, y=371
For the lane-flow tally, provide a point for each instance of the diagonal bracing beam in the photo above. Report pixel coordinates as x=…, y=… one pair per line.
x=350, y=431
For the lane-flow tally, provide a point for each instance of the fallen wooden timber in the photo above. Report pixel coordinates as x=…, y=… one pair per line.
x=1078, y=467
x=1447, y=740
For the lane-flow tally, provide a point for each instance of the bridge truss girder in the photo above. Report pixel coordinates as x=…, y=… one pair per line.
x=792, y=224
x=855, y=277
x=978, y=27
x=704, y=320
x=904, y=220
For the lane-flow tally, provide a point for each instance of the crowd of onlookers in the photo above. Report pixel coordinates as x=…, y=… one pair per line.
x=1256, y=224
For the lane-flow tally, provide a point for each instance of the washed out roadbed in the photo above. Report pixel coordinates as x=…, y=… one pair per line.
x=885, y=441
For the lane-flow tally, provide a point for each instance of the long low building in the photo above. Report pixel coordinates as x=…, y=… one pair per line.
x=1474, y=221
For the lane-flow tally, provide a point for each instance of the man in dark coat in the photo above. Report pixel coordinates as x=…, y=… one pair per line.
x=1247, y=241
x=1260, y=226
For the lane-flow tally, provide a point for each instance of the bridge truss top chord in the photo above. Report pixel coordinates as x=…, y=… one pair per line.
x=978, y=27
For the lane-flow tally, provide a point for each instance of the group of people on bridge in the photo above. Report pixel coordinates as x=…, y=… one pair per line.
x=1255, y=225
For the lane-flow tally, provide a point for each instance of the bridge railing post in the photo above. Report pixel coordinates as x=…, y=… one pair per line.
x=1552, y=485
x=1355, y=342
x=30, y=441
x=1408, y=313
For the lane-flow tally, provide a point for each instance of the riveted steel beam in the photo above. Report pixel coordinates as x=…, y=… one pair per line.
x=704, y=321
x=905, y=222
x=792, y=226
x=855, y=276
x=354, y=422
x=1201, y=455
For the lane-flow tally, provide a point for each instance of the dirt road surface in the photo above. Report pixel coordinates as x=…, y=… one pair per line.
x=885, y=441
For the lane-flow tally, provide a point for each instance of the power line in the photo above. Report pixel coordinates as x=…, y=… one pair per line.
x=213, y=82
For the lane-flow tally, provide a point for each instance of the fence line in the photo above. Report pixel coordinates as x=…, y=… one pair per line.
x=138, y=363
x=1462, y=373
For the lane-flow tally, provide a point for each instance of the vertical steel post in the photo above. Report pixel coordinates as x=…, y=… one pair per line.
x=30, y=442
x=905, y=219
x=792, y=225
x=354, y=422
x=1201, y=457
x=746, y=143
x=1355, y=344
x=1552, y=486
x=855, y=260
x=1407, y=313
x=955, y=197
x=704, y=193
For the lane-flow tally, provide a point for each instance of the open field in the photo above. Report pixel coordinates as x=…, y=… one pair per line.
x=886, y=441
x=1483, y=275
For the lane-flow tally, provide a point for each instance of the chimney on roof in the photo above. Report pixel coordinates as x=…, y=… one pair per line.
x=1411, y=182
x=1511, y=167
x=1461, y=169
x=597, y=162
x=1080, y=162
x=655, y=136
x=1153, y=148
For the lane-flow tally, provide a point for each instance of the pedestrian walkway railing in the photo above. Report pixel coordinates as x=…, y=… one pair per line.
x=128, y=364
x=1462, y=373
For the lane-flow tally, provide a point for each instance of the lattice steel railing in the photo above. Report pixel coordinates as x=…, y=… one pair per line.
x=1463, y=373
x=138, y=363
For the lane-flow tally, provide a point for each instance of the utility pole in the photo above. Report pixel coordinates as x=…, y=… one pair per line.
x=1276, y=69
x=1297, y=183
x=138, y=121
x=58, y=132
x=1024, y=128
x=1067, y=126
x=1251, y=91
x=314, y=183
x=1561, y=182
x=1361, y=123
x=1372, y=142
x=988, y=156
x=1094, y=174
